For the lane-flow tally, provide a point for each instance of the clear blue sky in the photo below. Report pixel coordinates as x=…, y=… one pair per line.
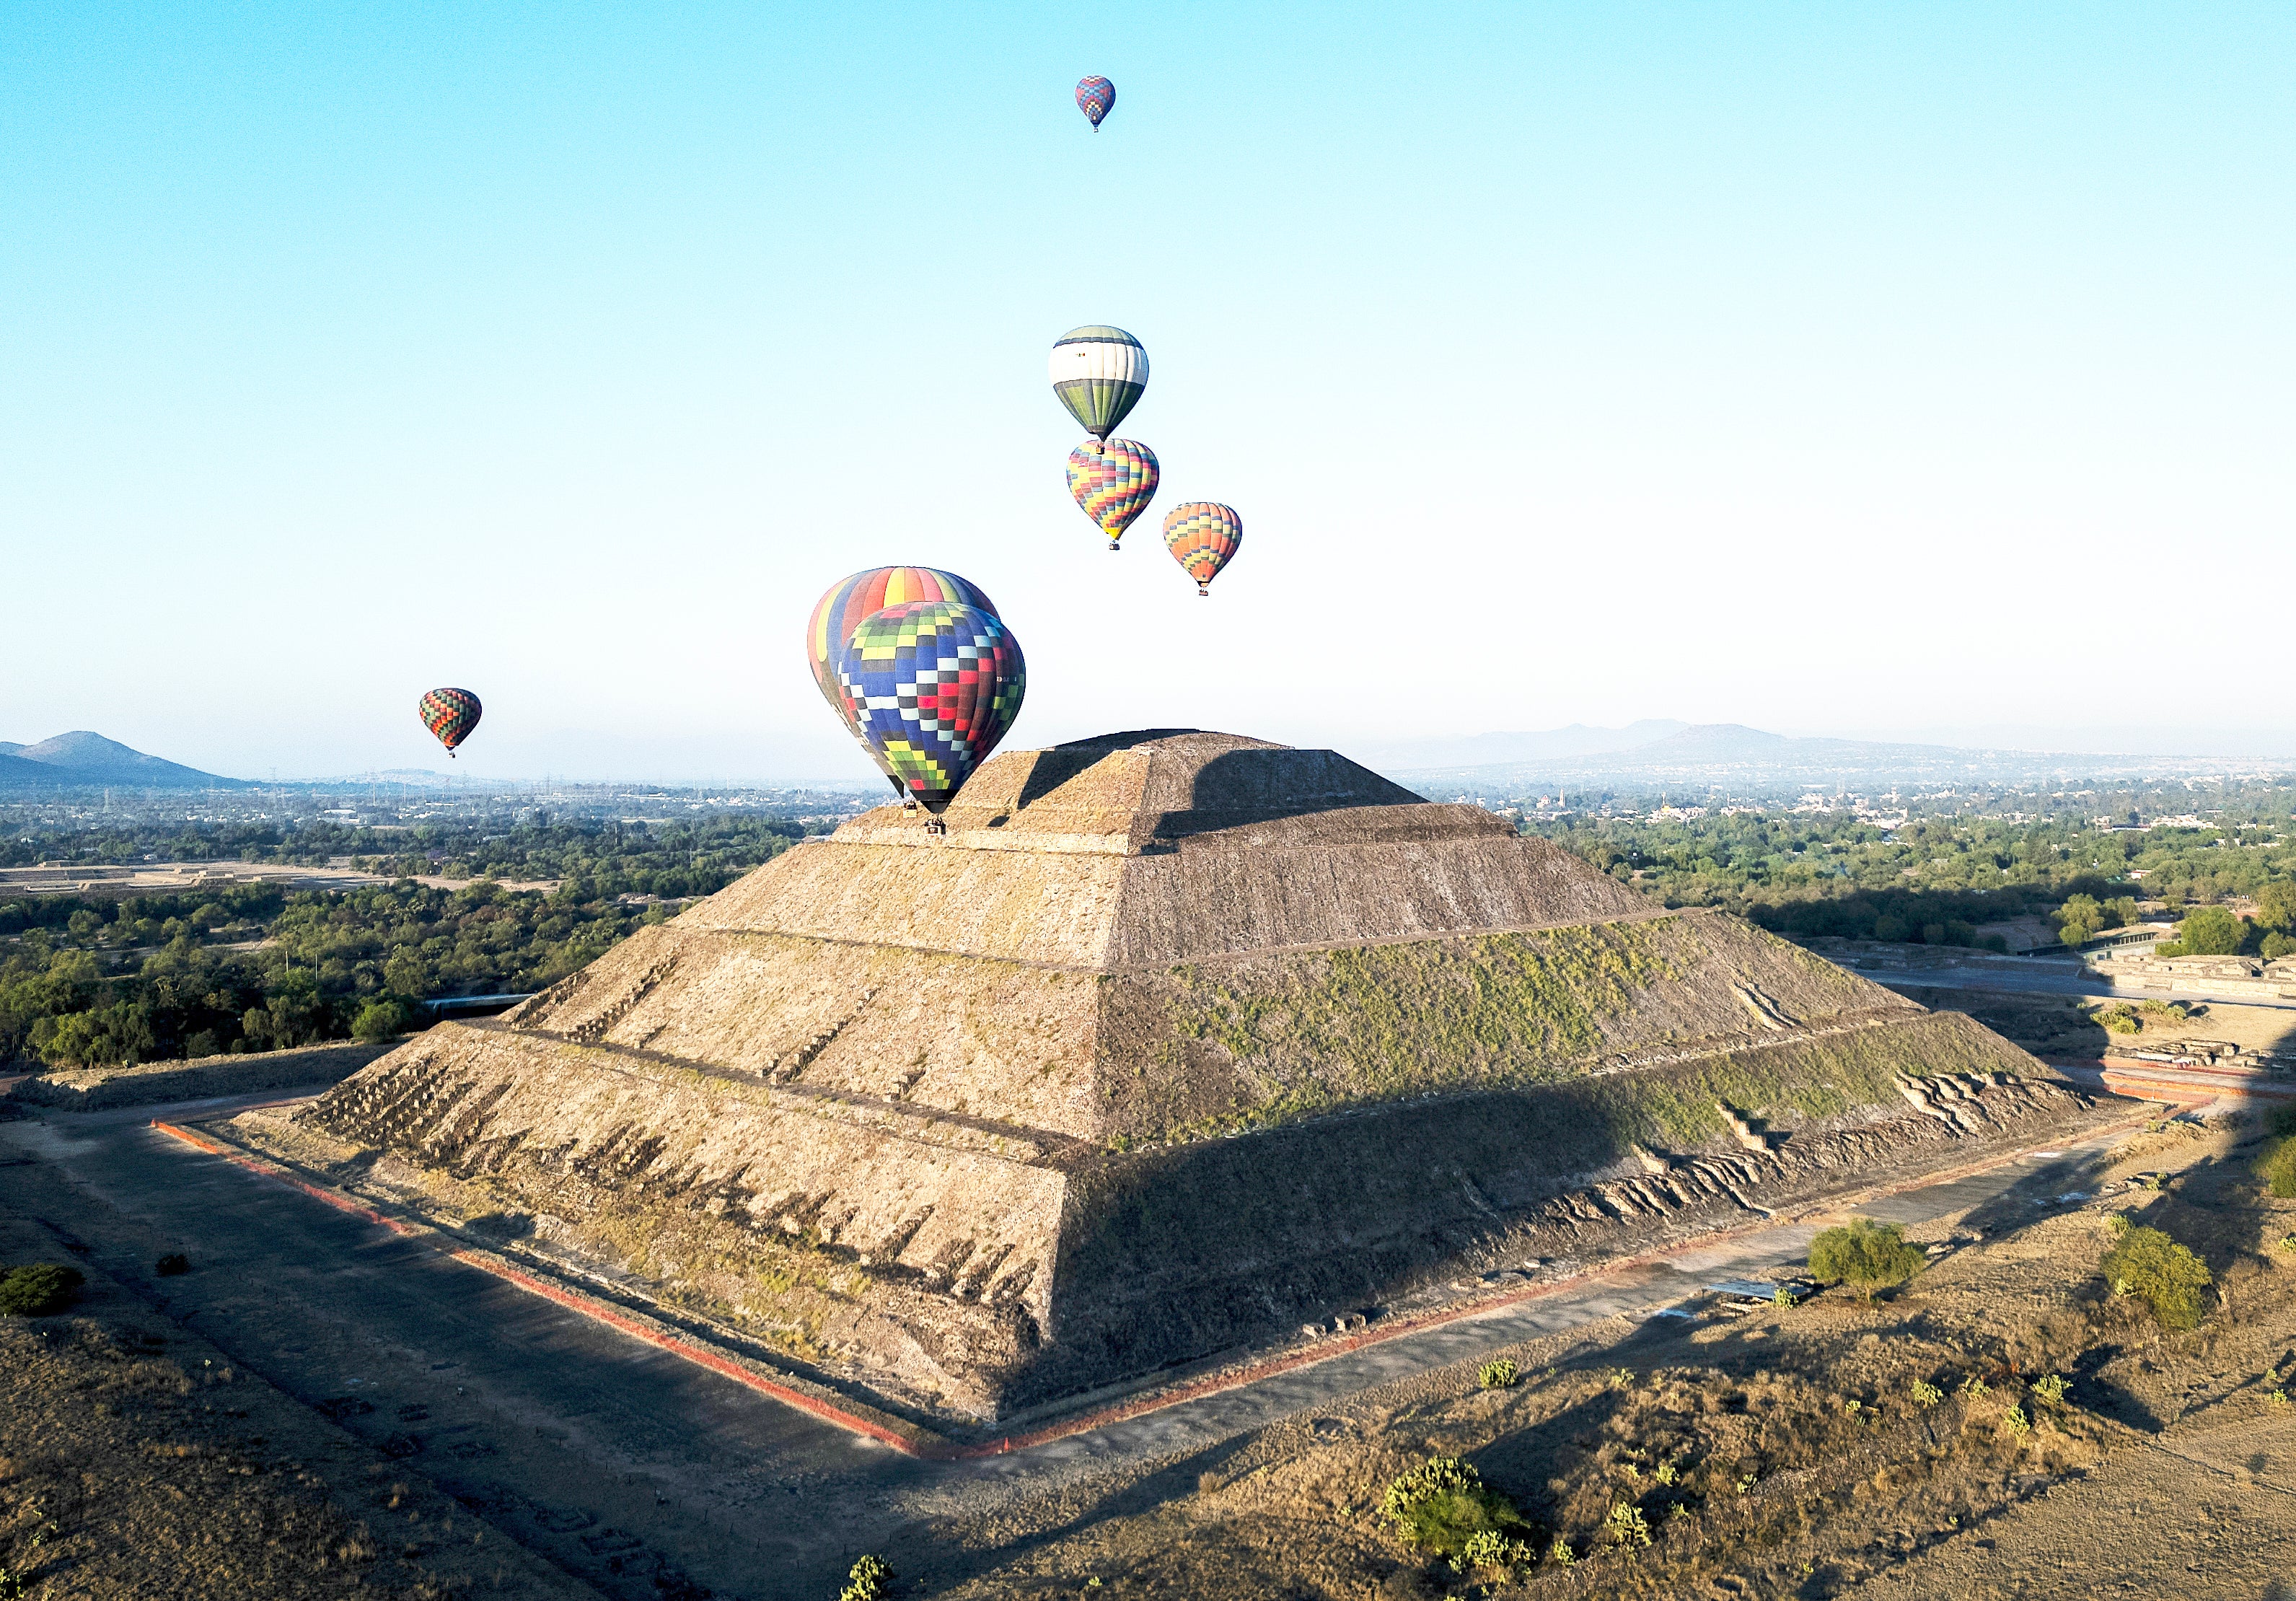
x=1849, y=369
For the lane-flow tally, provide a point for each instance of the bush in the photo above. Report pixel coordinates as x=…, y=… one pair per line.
x=1626, y=1525
x=1499, y=1375
x=386, y=1017
x=2148, y=1264
x=1442, y=1504
x=1868, y=1256
x=39, y=1289
x=2278, y=1168
x=171, y=1264
x=870, y=1580
x=2119, y=1020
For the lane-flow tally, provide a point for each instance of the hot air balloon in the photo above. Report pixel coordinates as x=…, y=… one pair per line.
x=1113, y=483
x=929, y=687
x=838, y=611
x=1201, y=536
x=450, y=714
x=1098, y=372
x=1094, y=95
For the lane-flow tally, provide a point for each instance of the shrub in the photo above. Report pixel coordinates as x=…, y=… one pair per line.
x=1499, y=1375
x=1926, y=1394
x=385, y=1017
x=1488, y=1549
x=1783, y=1299
x=1443, y=1503
x=1866, y=1255
x=37, y=1290
x=2148, y=1264
x=2119, y=1020
x=870, y=1580
x=1626, y=1526
x=2278, y=1168
x=2019, y=1423
x=171, y=1264
x=1560, y=1553
x=2050, y=1388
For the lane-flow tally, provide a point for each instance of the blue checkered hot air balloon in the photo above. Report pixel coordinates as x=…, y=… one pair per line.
x=1094, y=95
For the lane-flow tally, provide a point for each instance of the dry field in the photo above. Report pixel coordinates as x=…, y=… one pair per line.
x=136, y=1461
x=1790, y=1453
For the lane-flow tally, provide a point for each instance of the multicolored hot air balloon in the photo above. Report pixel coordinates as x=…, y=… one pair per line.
x=1113, y=483
x=1098, y=372
x=1094, y=95
x=450, y=714
x=1203, y=536
x=931, y=687
x=840, y=610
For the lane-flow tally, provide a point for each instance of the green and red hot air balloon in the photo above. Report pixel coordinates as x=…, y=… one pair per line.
x=450, y=714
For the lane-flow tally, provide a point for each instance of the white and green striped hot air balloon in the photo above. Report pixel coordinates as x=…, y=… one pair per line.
x=1098, y=372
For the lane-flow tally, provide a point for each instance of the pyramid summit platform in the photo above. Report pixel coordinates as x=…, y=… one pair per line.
x=1172, y=1042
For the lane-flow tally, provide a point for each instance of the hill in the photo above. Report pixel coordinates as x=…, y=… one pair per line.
x=81, y=759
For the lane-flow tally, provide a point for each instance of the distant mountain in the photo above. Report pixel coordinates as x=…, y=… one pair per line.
x=1733, y=754
x=1484, y=750
x=82, y=759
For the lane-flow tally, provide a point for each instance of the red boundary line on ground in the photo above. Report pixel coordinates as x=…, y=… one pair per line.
x=1122, y=1411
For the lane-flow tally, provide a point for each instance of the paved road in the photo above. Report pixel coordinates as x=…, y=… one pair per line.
x=563, y=1432
x=2056, y=979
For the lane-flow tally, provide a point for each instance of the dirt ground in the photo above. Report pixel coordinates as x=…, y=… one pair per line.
x=2064, y=1027
x=1789, y=1453
x=134, y=1461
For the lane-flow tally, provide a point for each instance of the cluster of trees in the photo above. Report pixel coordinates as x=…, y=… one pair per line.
x=254, y=968
x=1934, y=880
x=2215, y=931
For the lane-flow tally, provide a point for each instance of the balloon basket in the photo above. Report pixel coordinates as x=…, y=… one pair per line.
x=935, y=827
x=1205, y=590
x=1112, y=545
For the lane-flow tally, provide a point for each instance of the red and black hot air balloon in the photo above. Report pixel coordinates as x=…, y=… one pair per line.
x=450, y=714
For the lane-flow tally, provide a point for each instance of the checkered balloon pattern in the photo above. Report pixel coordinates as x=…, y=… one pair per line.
x=1201, y=536
x=1094, y=95
x=931, y=687
x=450, y=714
x=1113, y=482
x=840, y=610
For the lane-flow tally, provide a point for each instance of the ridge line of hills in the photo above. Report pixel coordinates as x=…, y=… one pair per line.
x=82, y=759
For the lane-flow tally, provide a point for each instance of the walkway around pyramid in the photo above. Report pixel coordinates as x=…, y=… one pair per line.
x=1174, y=1043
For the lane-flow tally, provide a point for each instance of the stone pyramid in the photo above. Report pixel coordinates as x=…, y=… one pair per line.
x=1172, y=1040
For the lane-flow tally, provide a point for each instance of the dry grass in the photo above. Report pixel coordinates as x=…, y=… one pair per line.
x=1809, y=1452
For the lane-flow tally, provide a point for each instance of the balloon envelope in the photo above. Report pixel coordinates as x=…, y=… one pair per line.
x=1098, y=372
x=1094, y=95
x=931, y=687
x=1202, y=535
x=450, y=714
x=1113, y=483
x=841, y=609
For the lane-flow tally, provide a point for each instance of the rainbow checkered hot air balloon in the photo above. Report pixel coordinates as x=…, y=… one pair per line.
x=1094, y=95
x=1203, y=536
x=1099, y=372
x=1113, y=483
x=450, y=714
x=840, y=610
x=930, y=687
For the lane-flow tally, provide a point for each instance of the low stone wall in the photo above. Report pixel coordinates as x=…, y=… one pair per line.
x=94, y=1089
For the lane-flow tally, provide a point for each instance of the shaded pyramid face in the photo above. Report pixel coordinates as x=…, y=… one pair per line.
x=1171, y=1039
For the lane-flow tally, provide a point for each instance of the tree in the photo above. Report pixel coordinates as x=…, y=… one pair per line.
x=1866, y=1255
x=2275, y=908
x=2148, y=1264
x=2079, y=918
x=2212, y=930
